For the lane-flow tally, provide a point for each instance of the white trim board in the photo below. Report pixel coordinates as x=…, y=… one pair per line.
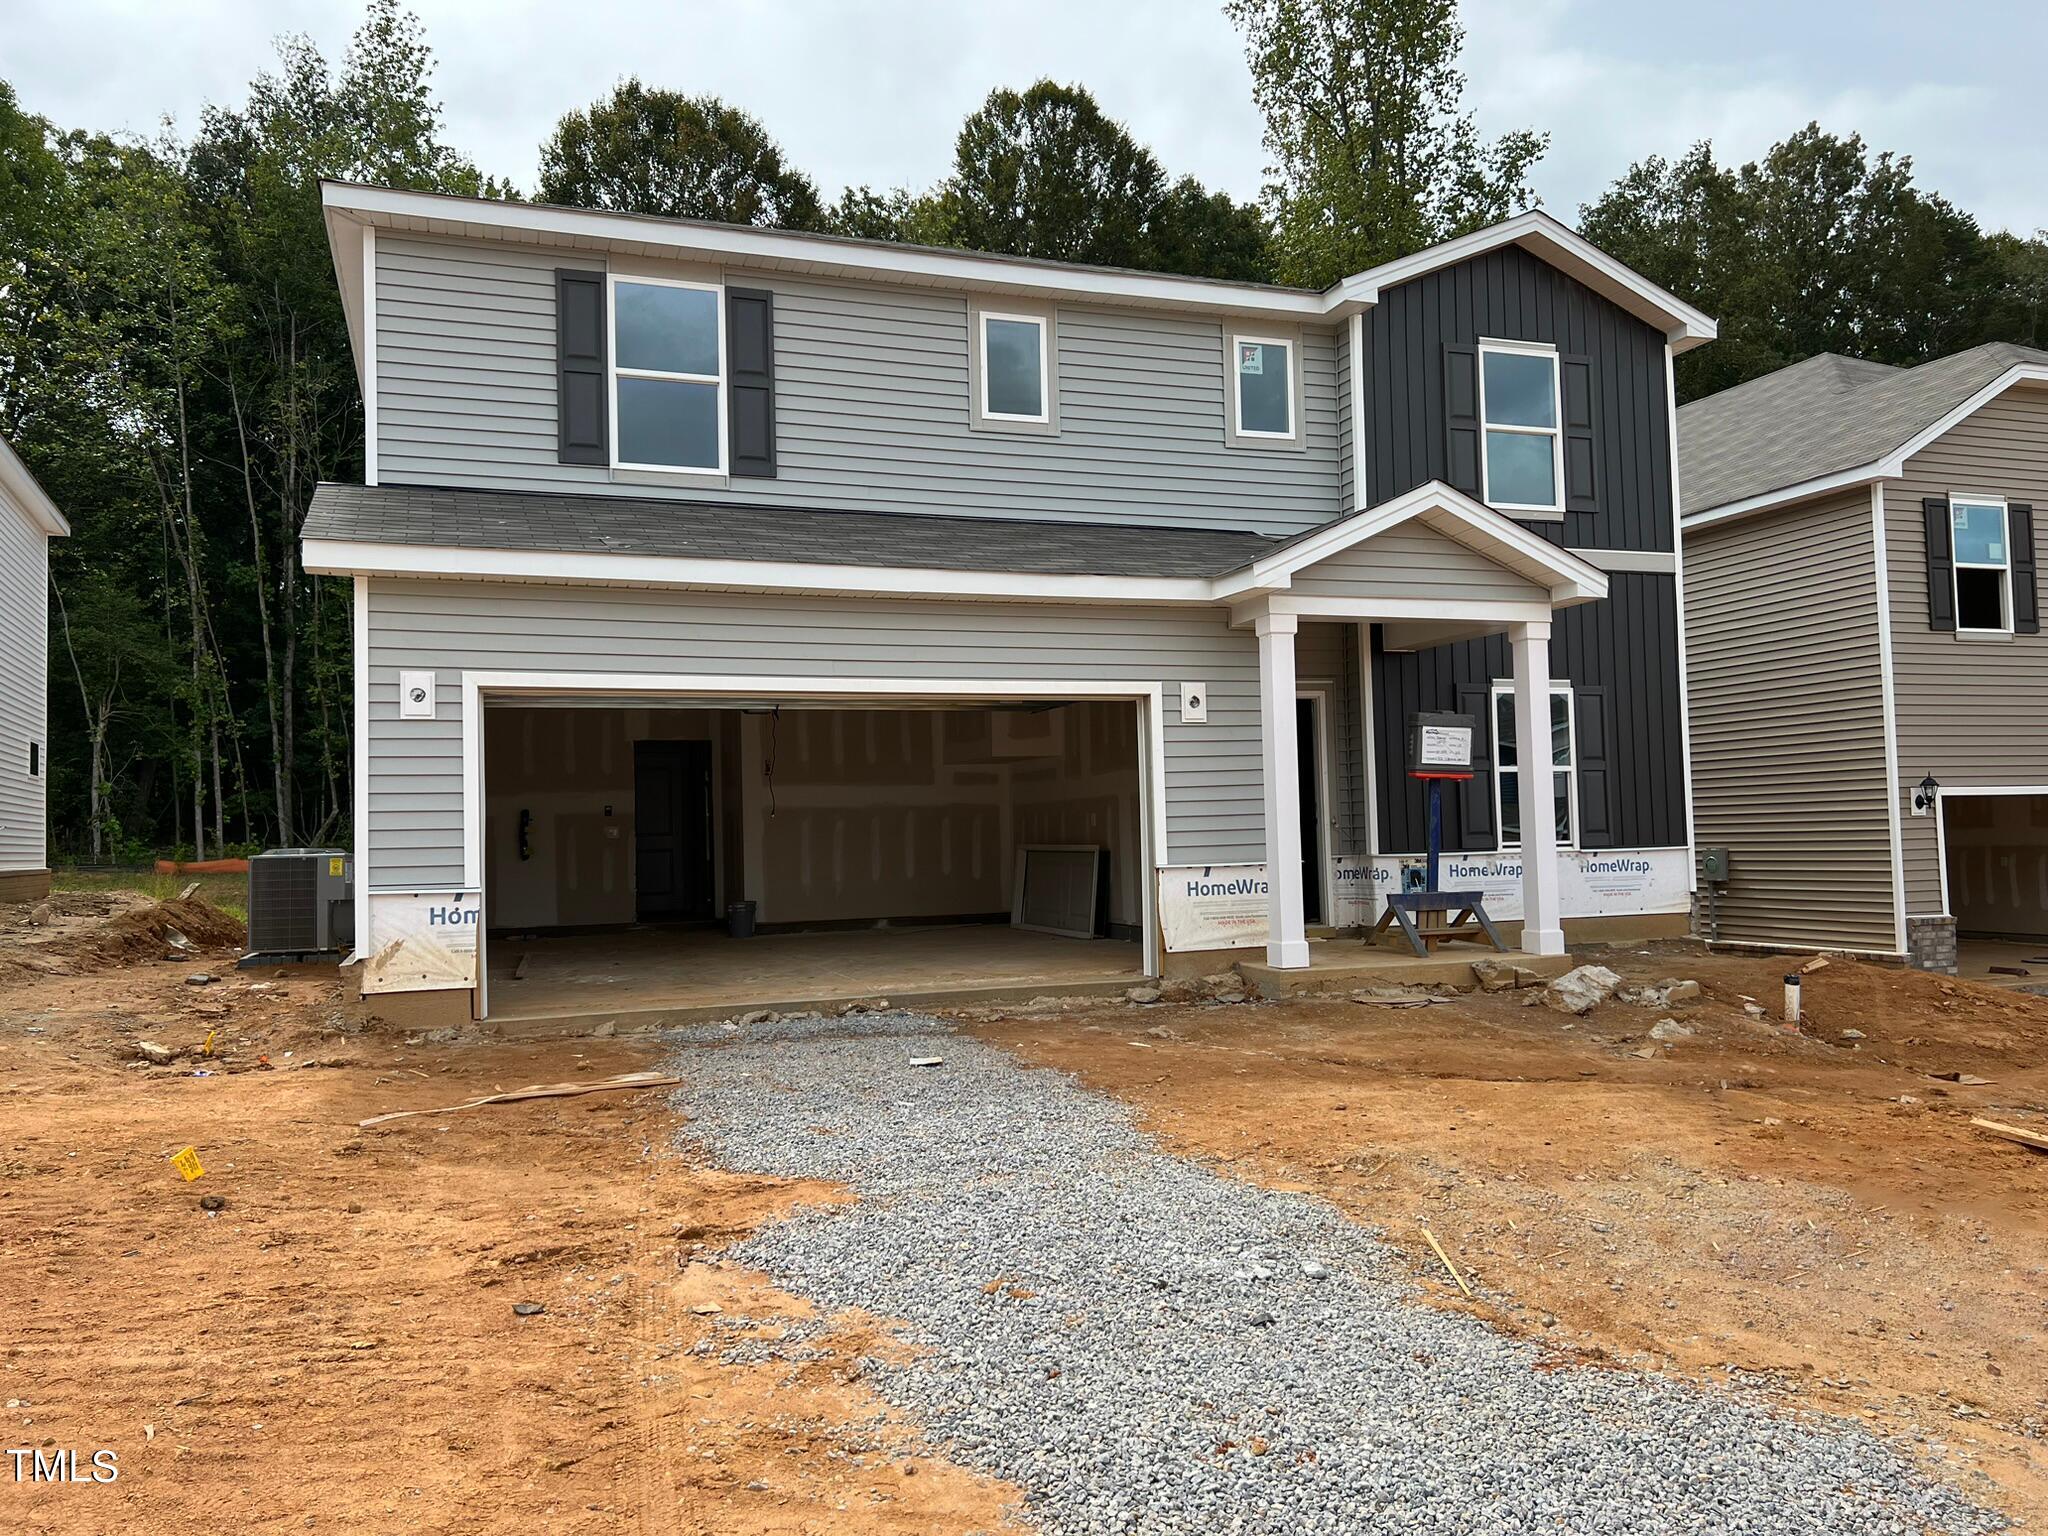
x=350, y=207
x=1678, y=598
x=1892, y=788
x=20, y=488
x=1149, y=697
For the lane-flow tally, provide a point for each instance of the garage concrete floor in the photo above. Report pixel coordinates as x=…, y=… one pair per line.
x=1975, y=957
x=672, y=972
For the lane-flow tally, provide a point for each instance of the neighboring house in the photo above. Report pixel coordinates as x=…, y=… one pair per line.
x=700, y=563
x=28, y=521
x=1862, y=615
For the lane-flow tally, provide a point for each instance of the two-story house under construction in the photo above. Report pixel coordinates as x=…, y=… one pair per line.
x=986, y=621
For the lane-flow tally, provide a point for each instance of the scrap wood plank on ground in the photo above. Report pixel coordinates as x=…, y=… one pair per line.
x=625, y=1080
x=2019, y=1133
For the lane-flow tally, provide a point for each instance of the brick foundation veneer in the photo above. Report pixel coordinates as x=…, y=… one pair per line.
x=24, y=884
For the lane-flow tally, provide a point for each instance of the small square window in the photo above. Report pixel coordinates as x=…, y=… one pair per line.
x=1013, y=367
x=1265, y=388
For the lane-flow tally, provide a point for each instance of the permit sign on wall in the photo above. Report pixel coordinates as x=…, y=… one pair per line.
x=422, y=941
x=1213, y=906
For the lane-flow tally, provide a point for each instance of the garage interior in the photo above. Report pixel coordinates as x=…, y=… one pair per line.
x=1997, y=869
x=940, y=848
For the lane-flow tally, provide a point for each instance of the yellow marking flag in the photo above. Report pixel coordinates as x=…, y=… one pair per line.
x=187, y=1163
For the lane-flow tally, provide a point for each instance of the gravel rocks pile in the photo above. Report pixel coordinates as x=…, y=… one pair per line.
x=1145, y=1346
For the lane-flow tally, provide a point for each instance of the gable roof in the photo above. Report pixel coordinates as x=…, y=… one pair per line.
x=20, y=488
x=351, y=209
x=1828, y=422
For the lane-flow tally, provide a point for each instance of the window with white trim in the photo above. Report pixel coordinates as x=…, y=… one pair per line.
x=1014, y=386
x=668, y=375
x=1507, y=775
x=1522, y=446
x=1262, y=388
x=1978, y=529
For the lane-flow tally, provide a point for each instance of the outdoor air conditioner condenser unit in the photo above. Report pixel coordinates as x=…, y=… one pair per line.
x=301, y=901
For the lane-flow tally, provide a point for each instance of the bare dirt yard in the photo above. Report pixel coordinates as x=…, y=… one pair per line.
x=1814, y=1207
x=337, y=1347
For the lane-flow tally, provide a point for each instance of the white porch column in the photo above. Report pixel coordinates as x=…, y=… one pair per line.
x=1286, y=944
x=1542, y=924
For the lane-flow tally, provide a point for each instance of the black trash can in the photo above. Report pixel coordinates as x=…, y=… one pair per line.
x=739, y=920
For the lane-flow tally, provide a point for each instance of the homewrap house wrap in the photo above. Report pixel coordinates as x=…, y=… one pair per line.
x=1868, y=668
x=28, y=521
x=883, y=587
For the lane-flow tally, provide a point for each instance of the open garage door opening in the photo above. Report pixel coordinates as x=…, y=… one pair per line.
x=1995, y=856
x=660, y=860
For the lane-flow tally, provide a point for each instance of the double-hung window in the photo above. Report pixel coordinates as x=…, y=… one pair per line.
x=1983, y=564
x=668, y=375
x=1015, y=387
x=1522, y=460
x=1262, y=389
x=1510, y=804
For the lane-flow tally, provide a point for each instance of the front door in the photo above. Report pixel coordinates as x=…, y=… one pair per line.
x=1306, y=738
x=672, y=830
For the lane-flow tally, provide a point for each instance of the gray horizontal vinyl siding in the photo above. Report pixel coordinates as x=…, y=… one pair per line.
x=1213, y=787
x=1413, y=561
x=1971, y=710
x=1788, y=751
x=871, y=402
x=24, y=681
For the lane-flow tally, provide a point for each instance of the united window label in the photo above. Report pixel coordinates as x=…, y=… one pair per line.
x=1251, y=359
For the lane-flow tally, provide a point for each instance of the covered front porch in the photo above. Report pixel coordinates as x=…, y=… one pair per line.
x=1428, y=568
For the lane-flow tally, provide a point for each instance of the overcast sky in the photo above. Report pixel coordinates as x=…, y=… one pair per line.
x=874, y=90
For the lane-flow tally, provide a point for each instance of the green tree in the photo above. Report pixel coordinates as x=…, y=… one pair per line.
x=1373, y=155
x=862, y=213
x=1820, y=246
x=1046, y=172
x=690, y=157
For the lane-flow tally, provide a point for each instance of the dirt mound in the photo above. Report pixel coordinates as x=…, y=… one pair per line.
x=138, y=933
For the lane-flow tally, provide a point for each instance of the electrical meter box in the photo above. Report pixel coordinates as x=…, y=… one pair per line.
x=1440, y=744
x=1714, y=865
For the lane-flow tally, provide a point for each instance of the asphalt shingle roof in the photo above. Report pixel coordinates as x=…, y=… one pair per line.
x=1820, y=417
x=710, y=530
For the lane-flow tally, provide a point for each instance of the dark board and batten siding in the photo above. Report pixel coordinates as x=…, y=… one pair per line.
x=1621, y=652
x=1509, y=295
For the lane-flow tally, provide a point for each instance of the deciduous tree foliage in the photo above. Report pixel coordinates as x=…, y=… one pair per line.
x=1820, y=246
x=1373, y=155
x=689, y=157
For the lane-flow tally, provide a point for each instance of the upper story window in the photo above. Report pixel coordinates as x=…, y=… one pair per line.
x=1522, y=460
x=1507, y=777
x=1983, y=563
x=1013, y=371
x=1262, y=391
x=668, y=375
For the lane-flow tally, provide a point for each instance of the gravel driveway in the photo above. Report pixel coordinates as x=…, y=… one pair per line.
x=1145, y=1346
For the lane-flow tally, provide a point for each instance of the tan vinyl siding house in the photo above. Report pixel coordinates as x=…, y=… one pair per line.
x=1822, y=702
x=1787, y=689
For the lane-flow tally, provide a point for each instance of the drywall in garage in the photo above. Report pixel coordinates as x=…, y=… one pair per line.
x=1997, y=864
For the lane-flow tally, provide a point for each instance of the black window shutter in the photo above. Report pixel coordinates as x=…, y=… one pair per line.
x=750, y=361
x=2026, y=600
x=1475, y=795
x=1596, y=780
x=1461, y=420
x=1576, y=379
x=583, y=433
x=1941, y=565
